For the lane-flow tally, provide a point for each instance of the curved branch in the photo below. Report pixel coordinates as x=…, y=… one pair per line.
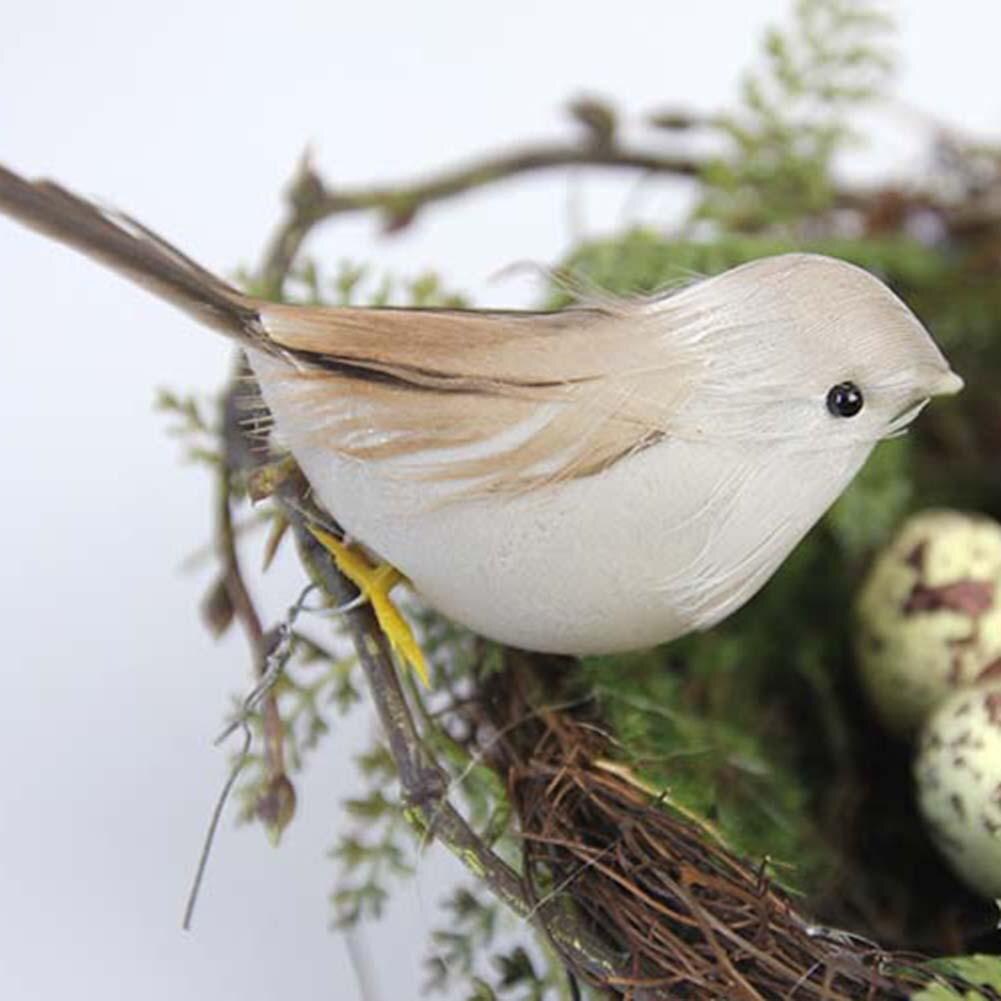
x=311, y=201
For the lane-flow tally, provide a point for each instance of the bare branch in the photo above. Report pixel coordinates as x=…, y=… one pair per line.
x=311, y=201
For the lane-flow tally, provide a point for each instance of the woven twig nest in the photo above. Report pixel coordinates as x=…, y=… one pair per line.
x=689, y=917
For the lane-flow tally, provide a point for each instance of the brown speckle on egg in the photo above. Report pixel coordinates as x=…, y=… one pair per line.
x=929, y=614
x=969, y=597
x=992, y=670
x=960, y=795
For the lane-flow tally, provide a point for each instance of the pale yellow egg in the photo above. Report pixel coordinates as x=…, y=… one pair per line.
x=958, y=774
x=929, y=615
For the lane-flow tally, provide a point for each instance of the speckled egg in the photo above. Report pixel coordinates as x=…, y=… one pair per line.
x=958, y=775
x=929, y=615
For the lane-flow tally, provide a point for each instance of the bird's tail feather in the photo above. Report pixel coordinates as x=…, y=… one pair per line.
x=130, y=248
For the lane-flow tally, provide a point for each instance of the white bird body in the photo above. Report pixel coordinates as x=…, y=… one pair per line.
x=673, y=531
x=619, y=560
x=599, y=479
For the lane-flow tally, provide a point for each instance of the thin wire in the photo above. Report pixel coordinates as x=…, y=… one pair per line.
x=203, y=858
x=274, y=665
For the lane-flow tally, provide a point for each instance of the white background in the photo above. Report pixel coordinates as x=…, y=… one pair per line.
x=192, y=115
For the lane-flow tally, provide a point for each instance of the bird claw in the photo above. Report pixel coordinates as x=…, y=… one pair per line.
x=375, y=583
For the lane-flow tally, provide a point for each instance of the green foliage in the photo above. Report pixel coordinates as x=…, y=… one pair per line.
x=468, y=951
x=376, y=850
x=977, y=971
x=190, y=424
x=795, y=115
x=642, y=261
x=356, y=285
x=455, y=949
x=517, y=971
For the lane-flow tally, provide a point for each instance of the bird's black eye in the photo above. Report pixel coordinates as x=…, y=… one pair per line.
x=844, y=399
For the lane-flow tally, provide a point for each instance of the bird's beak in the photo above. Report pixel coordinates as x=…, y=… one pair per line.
x=948, y=384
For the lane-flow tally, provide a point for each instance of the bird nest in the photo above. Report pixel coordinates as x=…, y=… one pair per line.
x=686, y=916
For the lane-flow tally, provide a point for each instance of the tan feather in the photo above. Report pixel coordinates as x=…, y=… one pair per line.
x=505, y=401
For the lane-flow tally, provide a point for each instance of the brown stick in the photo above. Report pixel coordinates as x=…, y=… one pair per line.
x=311, y=201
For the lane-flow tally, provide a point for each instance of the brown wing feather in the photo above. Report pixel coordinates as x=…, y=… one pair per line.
x=504, y=401
x=472, y=345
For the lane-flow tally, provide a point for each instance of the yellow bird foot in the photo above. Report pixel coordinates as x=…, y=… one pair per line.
x=375, y=583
